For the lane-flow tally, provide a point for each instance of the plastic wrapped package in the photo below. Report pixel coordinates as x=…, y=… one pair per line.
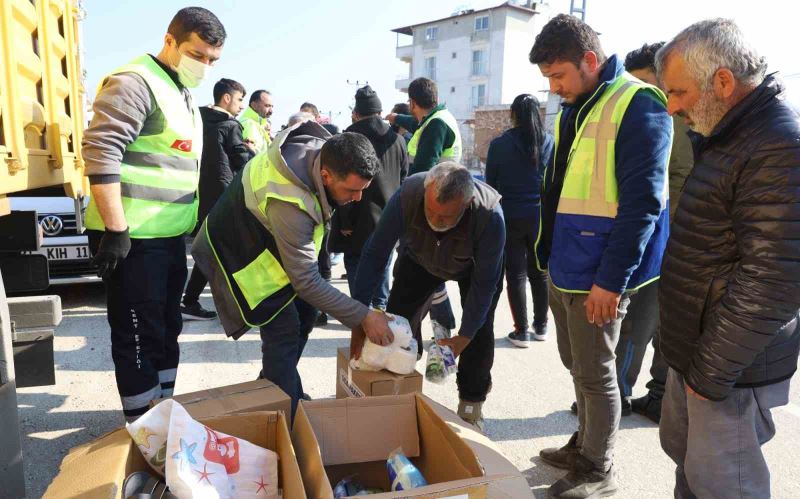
x=348, y=487
x=402, y=473
x=441, y=363
x=399, y=357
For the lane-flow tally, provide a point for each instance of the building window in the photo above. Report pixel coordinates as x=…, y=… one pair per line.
x=431, y=33
x=478, y=95
x=430, y=68
x=454, y=55
x=478, y=62
x=482, y=23
x=452, y=90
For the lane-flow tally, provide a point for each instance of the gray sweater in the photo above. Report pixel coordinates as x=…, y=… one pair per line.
x=124, y=109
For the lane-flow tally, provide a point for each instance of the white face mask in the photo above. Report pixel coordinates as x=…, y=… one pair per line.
x=191, y=72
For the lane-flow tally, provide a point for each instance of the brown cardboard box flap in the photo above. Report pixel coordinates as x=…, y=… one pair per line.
x=354, y=430
x=97, y=469
x=250, y=396
x=488, y=454
x=474, y=488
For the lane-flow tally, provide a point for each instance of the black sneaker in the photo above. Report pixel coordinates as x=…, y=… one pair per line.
x=520, y=340
x=647, y=406
x=195, y=312
x=585, y=481
x=540, y=332
x=626, y=407
x=562, y=457
x=305, y=396
x=321, y=320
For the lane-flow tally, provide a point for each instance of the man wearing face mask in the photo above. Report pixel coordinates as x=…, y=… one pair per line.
x=263, y=269
x=450, y=227
x=142, y=152
x=255, y=120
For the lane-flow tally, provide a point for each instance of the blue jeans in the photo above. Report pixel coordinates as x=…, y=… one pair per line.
x=282, y=342
x=381, y=295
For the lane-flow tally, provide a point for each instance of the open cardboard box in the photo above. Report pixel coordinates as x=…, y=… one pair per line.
x=350, y=383
x=334, y=439
x=250, y=396
x=97, y=469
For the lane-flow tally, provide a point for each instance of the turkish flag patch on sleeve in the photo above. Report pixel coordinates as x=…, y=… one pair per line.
x=184, y=145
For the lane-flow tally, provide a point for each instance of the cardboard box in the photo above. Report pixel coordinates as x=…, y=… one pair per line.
x=350, y=383
x=97, y=469
x=334, y=439
x=251, y=396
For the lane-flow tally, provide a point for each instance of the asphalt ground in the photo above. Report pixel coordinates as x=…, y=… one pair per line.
x=527, y=410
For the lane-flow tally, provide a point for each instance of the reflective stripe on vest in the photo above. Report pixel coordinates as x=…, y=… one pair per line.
x=265, y=276
x=589, y=198
x=453, y=152
x=159, y=173
x=590, y=182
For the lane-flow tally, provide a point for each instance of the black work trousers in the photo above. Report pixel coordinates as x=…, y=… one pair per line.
x=143, y=297
x=521, y=269
x=411, y=292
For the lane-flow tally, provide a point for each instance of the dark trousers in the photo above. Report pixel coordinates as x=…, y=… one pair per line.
x=440, y=308
x=143, y=299
x=521, y=269
x=381, y=295
x=638, y=329
x=282, y=342
x=195, y=286
x=411, y=291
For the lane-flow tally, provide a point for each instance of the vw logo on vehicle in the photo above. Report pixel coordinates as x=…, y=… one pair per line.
x=52, y=225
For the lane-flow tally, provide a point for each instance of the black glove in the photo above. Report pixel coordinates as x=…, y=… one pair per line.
x=113, y=247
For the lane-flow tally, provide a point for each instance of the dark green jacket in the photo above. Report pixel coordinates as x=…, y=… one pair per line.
x=435, y=138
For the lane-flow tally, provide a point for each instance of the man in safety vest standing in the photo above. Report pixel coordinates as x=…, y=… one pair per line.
x=605, y=223
x=263, y=269
x=435, y=138
x=142, y=152
x=255, y=120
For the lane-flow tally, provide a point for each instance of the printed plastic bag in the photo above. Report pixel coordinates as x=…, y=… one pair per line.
x=402, y=473
x=200, y=462
x=441, y=363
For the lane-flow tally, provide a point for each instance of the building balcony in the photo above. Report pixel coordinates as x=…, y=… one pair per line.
x=479, y=36
x=401, y=83
x=405, y=53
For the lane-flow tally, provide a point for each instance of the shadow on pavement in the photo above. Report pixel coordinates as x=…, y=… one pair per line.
x=39, y=414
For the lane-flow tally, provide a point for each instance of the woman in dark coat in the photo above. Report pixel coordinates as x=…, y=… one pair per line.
x=514, y=167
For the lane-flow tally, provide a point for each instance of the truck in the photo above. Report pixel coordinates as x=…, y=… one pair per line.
x=42, y=99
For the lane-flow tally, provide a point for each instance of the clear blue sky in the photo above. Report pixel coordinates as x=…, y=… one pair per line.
x=308, y=50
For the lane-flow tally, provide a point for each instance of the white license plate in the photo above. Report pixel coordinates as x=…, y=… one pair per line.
x=80, y=252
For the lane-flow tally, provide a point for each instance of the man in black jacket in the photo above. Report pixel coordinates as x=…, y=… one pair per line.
x=224, y=154
x=730, y=281
x=353, y=223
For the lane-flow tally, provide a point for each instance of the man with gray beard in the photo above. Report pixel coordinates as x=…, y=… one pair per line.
x=730, y=281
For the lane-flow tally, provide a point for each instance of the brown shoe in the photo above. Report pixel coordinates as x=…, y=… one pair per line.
x=563, y=457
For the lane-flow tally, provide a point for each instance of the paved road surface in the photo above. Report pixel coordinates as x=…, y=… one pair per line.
x=527, y=410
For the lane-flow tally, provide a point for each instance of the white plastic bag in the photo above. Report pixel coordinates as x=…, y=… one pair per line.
x=399, y=357
x=200, y=462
